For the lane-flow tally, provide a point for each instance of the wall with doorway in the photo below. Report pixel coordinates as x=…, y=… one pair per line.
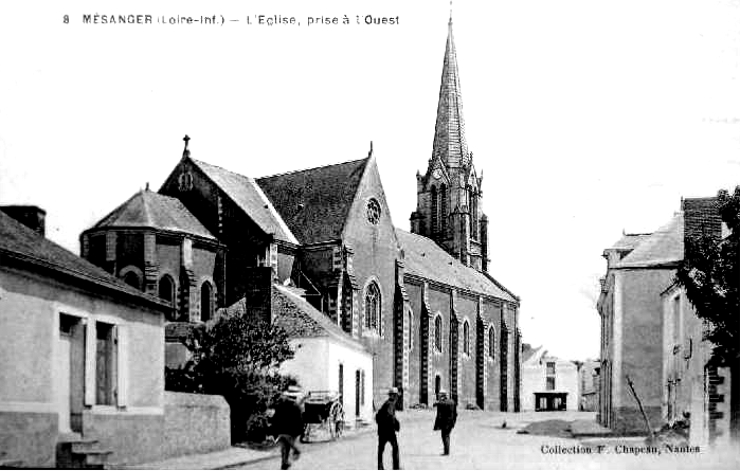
x=41, y=398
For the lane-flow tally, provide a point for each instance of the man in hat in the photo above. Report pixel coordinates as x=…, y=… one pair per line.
x=388, y=425
x=287, y=424
x=445, y=420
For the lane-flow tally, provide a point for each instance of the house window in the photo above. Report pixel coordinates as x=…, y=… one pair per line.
x=466, y=337
x=206, y=301
x=372, y=307
x=491, y=343
x=341, y=382
x=438, y=333
x=105, y=364
x=373, y=211
x=550, y=367
x=550, y=383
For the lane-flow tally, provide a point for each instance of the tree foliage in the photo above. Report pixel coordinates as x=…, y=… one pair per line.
x=710, y=274
x=236, y=357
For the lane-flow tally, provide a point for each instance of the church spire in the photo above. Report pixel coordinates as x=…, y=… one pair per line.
x=450, y=145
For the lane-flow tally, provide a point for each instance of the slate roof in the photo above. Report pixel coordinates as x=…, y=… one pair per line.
x=629, y=241
x=315, y=202
x=424, y=258
x=245, y=192
x=299, y=318
x=20, y=244
x=662, y=248
x=149, y=209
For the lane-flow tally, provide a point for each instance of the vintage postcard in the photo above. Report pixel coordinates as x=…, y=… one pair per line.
x=348, y=235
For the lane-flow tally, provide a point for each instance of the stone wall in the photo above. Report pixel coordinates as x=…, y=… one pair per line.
x=195, y=423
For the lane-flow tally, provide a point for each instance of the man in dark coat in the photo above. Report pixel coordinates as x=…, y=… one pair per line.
x=388, y=425
x=287, y=424
x=445, y=420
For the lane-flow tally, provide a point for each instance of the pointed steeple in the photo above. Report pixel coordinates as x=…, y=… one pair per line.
x=450, y=145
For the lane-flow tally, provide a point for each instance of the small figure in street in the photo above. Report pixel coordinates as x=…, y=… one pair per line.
x=445, y=420
x=287, y=424
x=388, y=425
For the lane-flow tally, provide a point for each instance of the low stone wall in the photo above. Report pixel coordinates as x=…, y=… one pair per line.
x=195, y=423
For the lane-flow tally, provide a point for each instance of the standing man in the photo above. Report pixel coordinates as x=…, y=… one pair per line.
x=388, y=425
x=287, y=424
x=446, y=418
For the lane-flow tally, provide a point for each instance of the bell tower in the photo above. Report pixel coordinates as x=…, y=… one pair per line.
x=448, y=204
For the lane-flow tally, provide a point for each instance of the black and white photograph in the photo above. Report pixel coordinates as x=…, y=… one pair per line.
x=374, y=234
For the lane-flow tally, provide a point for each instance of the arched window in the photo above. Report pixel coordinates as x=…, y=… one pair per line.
x=491, y=343
x=372, y=307
x=410, y=320
x=438, y=333
x=166, y=288
x=167, y=293
x=434, y=210
x=132, y=276
x=132, y=279
x=206, y=301
x=443, y=208
x=466, y=337
x=474, y=216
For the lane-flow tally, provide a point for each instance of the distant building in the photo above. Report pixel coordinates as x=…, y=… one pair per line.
x=548, y=383
x=639, y=268
x=588, y=385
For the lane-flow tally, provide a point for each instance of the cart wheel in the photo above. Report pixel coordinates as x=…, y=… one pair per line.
x=306, y=433
x=335, y=421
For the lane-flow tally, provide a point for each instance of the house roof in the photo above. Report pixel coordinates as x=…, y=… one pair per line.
x=315, y=203
x=663, y=247
x=20, y=244
x=298, y=318
x=149, y=209
x=629, y=241
x=424, y=258
x=245, y=192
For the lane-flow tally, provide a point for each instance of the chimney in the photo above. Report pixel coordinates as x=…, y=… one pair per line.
x=32, y=217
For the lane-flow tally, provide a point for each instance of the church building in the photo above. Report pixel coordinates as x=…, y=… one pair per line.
x=421, y=303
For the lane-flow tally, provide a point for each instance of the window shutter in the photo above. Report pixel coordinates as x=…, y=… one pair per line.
x=122, y=366
x=90, y=352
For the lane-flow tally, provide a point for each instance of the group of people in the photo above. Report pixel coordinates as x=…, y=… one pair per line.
x=388, y=425
x=287, y=425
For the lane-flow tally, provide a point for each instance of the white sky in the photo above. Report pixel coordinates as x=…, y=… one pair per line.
x=585, y=117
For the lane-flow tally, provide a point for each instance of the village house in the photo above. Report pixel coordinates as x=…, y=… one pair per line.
x=548, y=383
x=650, y=332
x=695, y=391
x=639, y=268
x=89, y=387
x=421, y=304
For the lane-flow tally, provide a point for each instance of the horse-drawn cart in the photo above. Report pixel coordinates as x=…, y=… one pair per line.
x=323, y=411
